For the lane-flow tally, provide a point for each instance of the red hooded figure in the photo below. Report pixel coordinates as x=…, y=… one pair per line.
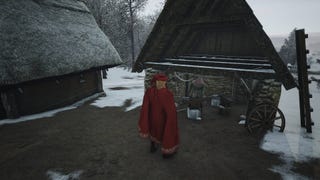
x=158, y=117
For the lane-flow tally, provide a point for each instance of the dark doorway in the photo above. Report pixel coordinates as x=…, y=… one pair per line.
x=3, y=114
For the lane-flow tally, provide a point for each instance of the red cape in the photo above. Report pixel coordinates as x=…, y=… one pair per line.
x=158, y=119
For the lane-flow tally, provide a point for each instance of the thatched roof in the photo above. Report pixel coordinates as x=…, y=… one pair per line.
x=209, y=28
x=47, y=38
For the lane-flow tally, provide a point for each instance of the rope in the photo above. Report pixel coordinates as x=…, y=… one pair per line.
x=181, y=79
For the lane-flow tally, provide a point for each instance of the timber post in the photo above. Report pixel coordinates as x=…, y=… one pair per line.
x=304, y=94
x=187, y=86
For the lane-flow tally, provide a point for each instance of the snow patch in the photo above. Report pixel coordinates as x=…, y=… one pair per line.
x=54, y=175
x=242, y=122
x=286, y=172
x=132, y=85
x=295, y=144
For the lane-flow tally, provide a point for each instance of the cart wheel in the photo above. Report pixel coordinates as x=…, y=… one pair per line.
x=265, y=117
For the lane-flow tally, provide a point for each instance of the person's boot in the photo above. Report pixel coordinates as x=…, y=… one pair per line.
x=168, y=156
x=153, y=147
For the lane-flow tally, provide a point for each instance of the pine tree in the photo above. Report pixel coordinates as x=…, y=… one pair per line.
x=288, y=49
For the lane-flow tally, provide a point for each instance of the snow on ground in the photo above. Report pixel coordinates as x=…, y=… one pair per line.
x=295, y=144
x=120, y=86
x=48, y=113
x=54, y=175
x=315, y=67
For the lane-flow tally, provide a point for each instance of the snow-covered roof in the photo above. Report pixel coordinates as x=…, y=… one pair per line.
x=47, y=38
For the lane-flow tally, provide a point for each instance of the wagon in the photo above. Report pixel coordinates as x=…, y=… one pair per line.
x=265, y=116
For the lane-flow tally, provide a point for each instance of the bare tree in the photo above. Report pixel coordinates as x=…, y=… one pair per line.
x=119, y=20
x=133, y=6
x=131, y=31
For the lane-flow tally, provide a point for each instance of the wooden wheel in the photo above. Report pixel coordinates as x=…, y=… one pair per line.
x=265, y=117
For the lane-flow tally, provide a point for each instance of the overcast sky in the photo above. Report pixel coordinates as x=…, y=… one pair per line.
x=278, y=17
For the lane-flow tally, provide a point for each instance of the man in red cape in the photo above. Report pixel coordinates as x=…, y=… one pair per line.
x=158, y=117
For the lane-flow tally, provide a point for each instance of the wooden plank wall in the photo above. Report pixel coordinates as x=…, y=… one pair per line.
x=50, y=94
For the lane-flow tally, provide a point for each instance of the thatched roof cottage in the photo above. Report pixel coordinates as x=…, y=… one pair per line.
x=51, y=54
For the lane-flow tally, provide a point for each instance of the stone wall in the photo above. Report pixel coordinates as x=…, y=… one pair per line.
x=174, y=84
x=263, y=91
x=230, y=87
x=267, y=91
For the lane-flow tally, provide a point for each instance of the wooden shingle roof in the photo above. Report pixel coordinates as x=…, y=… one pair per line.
x=204, y=30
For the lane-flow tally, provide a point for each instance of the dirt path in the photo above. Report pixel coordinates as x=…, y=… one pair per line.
x=104, y=144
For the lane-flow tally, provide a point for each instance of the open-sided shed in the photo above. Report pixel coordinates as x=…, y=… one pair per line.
x=219, y=38
x=212, y=37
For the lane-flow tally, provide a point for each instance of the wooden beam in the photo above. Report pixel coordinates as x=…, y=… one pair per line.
x=226, y=59
x=215, y=71
x=217, y=63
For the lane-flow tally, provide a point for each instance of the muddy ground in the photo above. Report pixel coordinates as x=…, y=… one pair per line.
x=104, y=144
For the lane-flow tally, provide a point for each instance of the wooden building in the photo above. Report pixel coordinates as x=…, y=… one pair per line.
x=216, y=38
x=51, y=55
